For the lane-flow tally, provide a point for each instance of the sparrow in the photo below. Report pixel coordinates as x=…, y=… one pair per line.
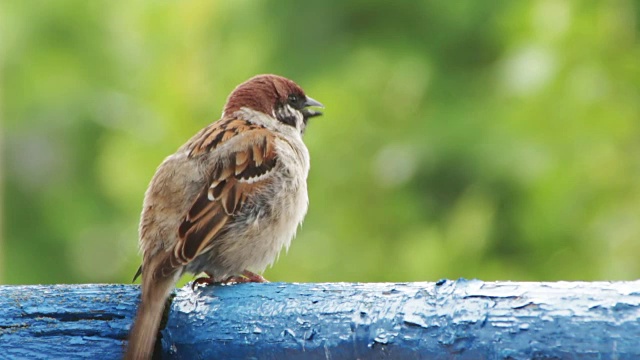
x=227, y=201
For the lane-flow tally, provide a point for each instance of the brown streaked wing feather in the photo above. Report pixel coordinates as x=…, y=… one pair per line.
x=217, y=133
x=228, y=188
x=200, y=233
x=257, y=154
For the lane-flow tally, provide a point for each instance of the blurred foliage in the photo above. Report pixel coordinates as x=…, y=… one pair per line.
x=492, y=140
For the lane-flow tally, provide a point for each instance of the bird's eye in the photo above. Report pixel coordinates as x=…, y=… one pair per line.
x=293, y=99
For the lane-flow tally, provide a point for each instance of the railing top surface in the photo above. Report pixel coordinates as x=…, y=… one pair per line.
x=466, y=318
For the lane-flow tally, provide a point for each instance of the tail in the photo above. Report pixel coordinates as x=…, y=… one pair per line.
x=142, y=336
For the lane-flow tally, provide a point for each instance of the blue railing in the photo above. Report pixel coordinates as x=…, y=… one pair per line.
x=464, y=319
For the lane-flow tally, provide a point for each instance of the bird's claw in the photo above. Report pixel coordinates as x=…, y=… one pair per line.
x=205, y=280
x=246, y=277
x=253, y=277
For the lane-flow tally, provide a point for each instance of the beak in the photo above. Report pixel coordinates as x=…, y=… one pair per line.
x=312, y=102
x=309, y=101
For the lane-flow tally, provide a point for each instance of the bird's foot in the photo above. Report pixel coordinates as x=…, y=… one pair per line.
x=253, y=277
x=204, y=280
x=246, y=277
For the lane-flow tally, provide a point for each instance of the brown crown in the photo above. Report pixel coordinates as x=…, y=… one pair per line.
x=262, y=93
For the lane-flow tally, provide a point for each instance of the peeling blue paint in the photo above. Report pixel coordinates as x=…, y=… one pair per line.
x=463, y=319
x=65, y=321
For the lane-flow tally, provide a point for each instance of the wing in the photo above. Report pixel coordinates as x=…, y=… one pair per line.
x=238, y=172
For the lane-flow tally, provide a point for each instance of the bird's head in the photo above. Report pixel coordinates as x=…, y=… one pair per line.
x=275, y=96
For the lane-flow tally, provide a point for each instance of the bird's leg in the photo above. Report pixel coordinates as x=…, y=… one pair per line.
x=204, y=280
x=246, y=277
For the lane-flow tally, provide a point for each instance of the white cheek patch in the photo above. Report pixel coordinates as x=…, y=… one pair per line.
x=297, y=115
x=286, y=111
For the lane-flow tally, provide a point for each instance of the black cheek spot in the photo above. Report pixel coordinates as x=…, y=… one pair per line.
x=289, y=120
x=285, y=116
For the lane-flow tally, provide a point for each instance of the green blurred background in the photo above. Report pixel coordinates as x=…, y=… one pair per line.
x=492, y=140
